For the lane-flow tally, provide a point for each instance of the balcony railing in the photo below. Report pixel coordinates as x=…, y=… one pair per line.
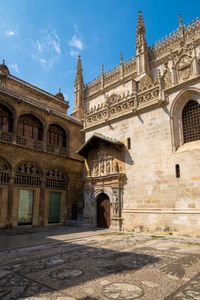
x=8, y=137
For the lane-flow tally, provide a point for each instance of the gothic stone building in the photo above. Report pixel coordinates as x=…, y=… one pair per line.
x=138, y=163
x=142, y=136
x=40, y=173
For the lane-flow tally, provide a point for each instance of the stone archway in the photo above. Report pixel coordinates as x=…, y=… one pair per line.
x=103, y=210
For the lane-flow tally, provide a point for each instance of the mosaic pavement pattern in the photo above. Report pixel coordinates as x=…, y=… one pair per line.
x=109, y=266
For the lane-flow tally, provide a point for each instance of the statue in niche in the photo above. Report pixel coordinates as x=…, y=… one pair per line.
x=115, y=205
x=108, y=167
x=102, y=167
x=115, y=208
x=116, y=167
x=97, y=169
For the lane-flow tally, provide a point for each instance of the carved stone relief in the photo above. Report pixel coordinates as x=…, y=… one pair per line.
x=184, y=67
x=167, y=79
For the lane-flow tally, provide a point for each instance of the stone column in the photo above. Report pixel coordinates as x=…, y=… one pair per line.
x=15, y=128
x=10, y=201
x=42, y=202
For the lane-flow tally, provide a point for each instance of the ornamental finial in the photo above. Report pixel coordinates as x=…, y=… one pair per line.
x=102, y=69
x=180, y=21
x=121, y=58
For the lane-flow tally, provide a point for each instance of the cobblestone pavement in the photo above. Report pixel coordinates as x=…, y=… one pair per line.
x=106, y=266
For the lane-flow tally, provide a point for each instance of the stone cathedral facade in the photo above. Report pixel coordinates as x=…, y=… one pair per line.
x=127, y=158
x=142, y=136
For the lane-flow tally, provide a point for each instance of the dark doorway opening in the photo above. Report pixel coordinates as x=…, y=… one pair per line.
x=103, y=211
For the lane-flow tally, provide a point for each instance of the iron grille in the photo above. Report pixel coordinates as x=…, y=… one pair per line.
x=191, y=121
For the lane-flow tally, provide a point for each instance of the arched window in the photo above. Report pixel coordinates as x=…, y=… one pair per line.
x=191, y=121
x=29, y=126
x=56, y=136
x=5, y=118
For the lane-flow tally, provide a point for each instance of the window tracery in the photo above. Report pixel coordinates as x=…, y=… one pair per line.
x=4, y=171
x=27, y=174
x=56, y=136
x=5, y=118
x=55, y=179
x=29, y=126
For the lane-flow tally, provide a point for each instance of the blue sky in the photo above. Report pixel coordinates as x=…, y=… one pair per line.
x=41, y=39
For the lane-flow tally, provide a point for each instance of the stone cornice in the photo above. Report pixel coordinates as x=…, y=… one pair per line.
x=38, y=90
x=48, y=109
x=160, y=211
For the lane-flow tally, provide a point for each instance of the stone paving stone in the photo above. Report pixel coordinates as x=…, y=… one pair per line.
x=107, y=266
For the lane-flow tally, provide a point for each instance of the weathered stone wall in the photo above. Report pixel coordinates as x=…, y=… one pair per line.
x=154, y=199
x=17, y=150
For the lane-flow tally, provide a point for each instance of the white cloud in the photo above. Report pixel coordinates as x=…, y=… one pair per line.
x=75, y=27
x=14, y=67
x=76, y=42
x=47, y=49
x=66, y=96
x=56, y=46
x=10, y=33
x=39, y=46
x=74, y=53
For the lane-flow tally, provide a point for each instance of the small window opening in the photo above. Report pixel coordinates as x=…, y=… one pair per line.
x=177, y=167
x=129, y=143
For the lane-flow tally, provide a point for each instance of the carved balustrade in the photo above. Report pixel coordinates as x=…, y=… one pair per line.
x=56, y=150
x=30, y=143
x=8, y=137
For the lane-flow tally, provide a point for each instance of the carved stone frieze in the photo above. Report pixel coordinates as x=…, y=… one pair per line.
x=121, y=105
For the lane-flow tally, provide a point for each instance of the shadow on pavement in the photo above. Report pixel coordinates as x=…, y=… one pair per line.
x=42, y=271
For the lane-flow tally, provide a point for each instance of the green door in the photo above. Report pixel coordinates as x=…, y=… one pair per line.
x=54, y=207
x=25, y=211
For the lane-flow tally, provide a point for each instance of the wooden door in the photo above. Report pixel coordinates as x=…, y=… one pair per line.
x=54, y=207
x=25, y=210
x=103, y=211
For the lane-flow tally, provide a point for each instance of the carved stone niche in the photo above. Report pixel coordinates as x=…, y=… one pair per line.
x=145, y=83
x=167, y=79
x=184, y=67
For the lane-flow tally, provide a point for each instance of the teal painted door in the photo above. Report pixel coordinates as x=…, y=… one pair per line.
x=54, y=207
x=25, y=210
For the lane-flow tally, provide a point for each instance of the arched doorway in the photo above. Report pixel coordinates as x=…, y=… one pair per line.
x=103, y=211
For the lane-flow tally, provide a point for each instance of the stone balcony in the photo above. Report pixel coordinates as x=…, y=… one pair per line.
x=10, y=138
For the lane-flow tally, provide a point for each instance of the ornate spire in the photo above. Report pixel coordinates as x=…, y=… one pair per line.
x=140, y=26
x=181, y=25
x=79, y=71
x=140, y=39
x=79, y=91
x=142, y=58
